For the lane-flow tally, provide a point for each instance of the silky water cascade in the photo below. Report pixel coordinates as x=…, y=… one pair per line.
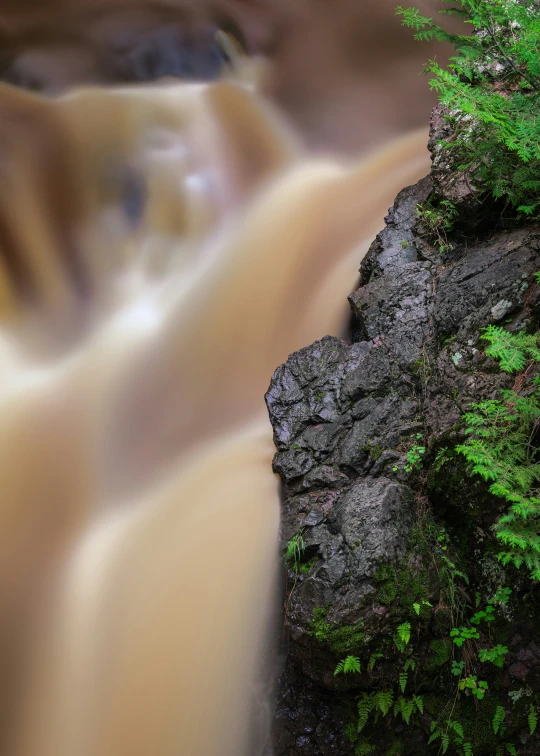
x=163, y=248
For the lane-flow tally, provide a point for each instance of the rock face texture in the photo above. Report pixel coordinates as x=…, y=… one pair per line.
x=390, y=528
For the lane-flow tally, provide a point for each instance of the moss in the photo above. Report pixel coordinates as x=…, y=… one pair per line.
x=386, y=581
x=306, y=566
x=442, y=623
x=413, y=585
x=408, y=584
x=339, y=638
x=374, y=451
x=440, y=652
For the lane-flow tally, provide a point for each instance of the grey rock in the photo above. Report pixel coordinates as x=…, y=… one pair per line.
x=345, y=415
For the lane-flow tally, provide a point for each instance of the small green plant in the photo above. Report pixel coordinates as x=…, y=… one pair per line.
x=438, y=220
x=406, y=707
x=349, y=664
x=532, y=719
x=498, y=719
x=402, y=636
x=501, y=449
x=506, y=748
x=462, y=634
x=295, y=550
x=492, y=91
x=495, y=655
x=473, y=685
x=457, y=667
x=419, y=606
x=452, y=731
x=373, y=660
x=487, y=615
x=414, y=456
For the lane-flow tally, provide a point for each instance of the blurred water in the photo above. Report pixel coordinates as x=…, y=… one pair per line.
x=162, y=250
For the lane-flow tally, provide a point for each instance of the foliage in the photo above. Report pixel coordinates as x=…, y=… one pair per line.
x=349, y=664
x=495, y=655
x=373, y=659
x=492, y=91
x=501, y=449
x=512, y=350
x=438, y=220
x=294, y=550
x=462, y=634
x=382, y=702
x=498, y=719
x=506, y=748
x=532, y=719
x=477, y=687
x=500, y=597
x=419, y=606
x=414, y=456
x=398, y=697
x=452, y=730
x=402, y=636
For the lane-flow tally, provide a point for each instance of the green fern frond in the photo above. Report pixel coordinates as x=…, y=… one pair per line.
x=383, y=700
x=347, y=665
x=532, y=719
x=365, y=707
x=498, y=719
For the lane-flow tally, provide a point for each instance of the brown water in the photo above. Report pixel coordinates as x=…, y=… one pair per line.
x=163, y=250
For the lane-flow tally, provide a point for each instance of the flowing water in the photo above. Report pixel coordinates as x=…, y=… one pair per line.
x=162, y=250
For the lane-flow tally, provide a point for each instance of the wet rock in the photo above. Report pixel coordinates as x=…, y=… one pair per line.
x=345, y=417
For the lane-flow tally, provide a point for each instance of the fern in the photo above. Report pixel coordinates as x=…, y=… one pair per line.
x=498, y=719
x=383, y=700
x=349, y=664
x=532, y=720
x=419, y=703
x=405, y=707
x=438, y=734
x=365, y=707
x=403, y=677
x=511, y=350
x=403, y=636
x=501, y=449
x=511, y=749
x=467, y=749
x=372, y=660
x=456, y=727
x=492, y=91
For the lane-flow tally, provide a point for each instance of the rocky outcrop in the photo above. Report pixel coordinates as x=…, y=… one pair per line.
x=387, y=521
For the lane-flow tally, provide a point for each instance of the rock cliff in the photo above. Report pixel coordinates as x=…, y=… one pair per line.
x=385, y=527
